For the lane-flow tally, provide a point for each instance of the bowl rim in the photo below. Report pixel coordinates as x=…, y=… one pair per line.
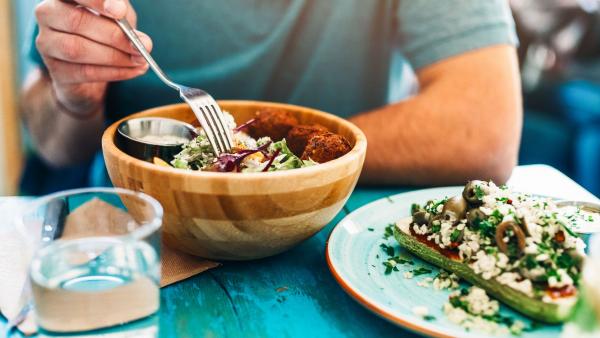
x=355, y=154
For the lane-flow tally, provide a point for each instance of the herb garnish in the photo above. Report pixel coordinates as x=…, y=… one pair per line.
x=389, y=231
x=414, y=208
x=455, y=235
x=429, y=318
x=392, y=263
x=387, y=249
x=478, y=192
x=421, y=271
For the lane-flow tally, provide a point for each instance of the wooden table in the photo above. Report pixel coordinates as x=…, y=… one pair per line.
x=293, y=294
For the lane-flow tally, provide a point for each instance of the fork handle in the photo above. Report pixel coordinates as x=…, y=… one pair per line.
x=128, y=30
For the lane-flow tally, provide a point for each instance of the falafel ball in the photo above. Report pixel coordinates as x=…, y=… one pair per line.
x=274, y=123
x=299, y=135
x=326, y=147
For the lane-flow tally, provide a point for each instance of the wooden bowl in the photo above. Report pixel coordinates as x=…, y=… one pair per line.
x=240, y=216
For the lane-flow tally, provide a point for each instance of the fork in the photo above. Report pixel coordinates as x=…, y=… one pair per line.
x=205, y=108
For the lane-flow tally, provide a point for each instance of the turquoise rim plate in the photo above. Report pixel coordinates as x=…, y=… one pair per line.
x=356, y=261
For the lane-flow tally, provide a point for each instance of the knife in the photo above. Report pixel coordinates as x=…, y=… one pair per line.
x=52, y=228
x=54, y=220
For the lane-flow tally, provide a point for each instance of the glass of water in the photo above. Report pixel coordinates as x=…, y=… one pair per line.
x=96, y=258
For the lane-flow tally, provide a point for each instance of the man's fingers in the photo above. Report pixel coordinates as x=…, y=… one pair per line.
x=64, y=17
x=116, y=9
x=77, y=49
x=70, y=73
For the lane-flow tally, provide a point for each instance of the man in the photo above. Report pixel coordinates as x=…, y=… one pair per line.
x=335, y=55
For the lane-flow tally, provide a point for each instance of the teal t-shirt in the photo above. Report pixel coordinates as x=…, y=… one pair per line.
x=334, y=55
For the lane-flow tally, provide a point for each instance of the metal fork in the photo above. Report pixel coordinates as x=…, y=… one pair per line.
x=205, y=108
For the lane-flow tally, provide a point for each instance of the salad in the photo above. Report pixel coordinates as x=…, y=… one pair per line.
x=261, y=145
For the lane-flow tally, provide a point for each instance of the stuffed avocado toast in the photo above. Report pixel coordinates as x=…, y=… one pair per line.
x=519, y=248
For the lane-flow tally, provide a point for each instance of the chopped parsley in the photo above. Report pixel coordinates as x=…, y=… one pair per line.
x=370, y=229
x=432, y=206
x=421, y=271
x=567, y=229
x=389, y=231
x=415, y=208
x=392, y=264
x=389, y=267
x=502, y=199
x=486, y=228
x=387, y=249
x=429, y=318
x=455, y=235
x=479, y=193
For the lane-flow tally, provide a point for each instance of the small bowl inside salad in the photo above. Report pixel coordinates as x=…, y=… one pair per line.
x=272, y=140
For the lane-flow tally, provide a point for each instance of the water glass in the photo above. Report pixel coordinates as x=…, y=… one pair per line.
x=96, y=261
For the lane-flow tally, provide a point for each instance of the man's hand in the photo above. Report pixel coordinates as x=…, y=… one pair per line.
x=84, y=51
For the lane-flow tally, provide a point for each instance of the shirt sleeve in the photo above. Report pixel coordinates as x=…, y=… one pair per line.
x=432, y=30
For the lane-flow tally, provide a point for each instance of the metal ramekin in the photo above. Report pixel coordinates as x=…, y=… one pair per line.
x=130, y=131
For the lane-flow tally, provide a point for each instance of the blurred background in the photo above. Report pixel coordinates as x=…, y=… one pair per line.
x=560, y=64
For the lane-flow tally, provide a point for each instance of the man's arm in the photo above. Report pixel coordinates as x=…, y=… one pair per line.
x=465, y=123
x=61, y=138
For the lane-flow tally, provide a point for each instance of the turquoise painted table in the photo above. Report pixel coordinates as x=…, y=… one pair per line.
x=293, y=294
x=289, y=295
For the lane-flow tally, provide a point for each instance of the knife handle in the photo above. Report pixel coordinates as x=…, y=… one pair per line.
x=54, y=220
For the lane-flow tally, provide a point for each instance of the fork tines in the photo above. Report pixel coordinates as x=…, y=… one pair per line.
x=212, y=121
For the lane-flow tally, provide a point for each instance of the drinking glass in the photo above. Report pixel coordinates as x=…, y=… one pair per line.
x=96, y=261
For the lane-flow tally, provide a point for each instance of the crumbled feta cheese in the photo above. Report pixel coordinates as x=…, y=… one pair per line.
x=420, y=311
x=446, y=281
x=563, y=279
x=408, y=275
x=440, y=208
x=542, y=257
x=478, y=305
x=516, y=281
x=421, y=230
x=502, y=260
x=485, y=265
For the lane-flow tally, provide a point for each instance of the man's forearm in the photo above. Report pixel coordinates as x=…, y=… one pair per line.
x=60, y=137
x=464, y=124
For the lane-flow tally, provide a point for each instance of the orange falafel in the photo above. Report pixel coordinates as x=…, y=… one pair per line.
x=325, y=147
x=274, y=123
x=298, y=136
